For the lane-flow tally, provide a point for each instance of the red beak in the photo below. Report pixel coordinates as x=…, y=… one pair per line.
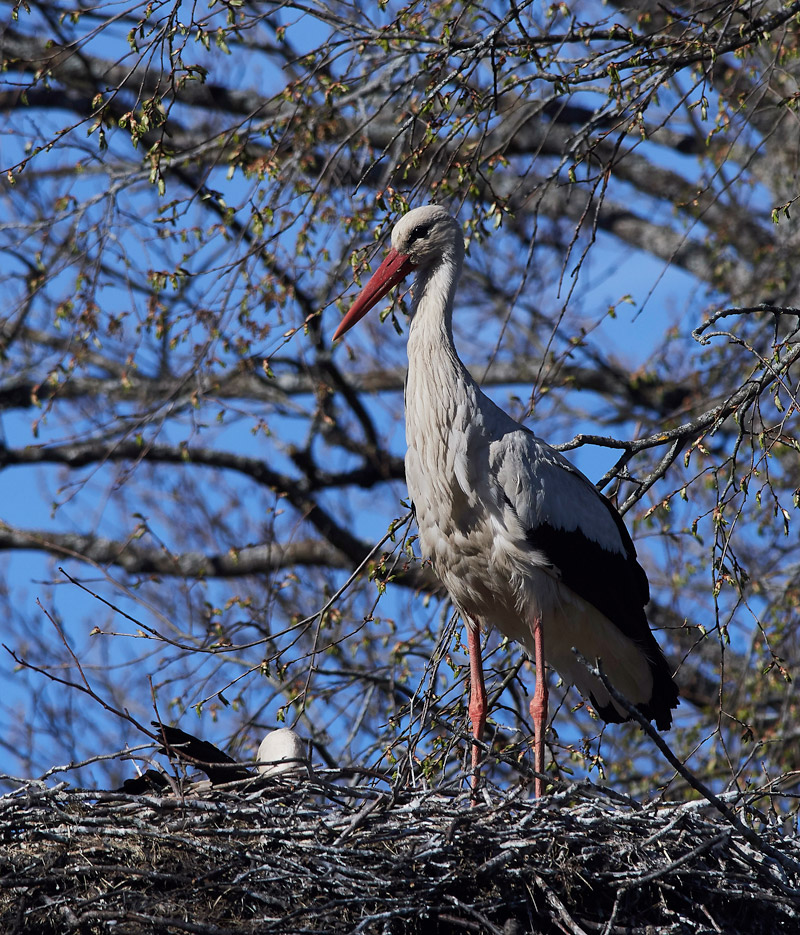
x=395, y=267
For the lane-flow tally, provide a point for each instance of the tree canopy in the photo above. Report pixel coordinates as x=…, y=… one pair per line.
x=203, y=500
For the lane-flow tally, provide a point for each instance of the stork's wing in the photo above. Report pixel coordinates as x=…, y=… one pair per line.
x=581, y=535
x=578, y=530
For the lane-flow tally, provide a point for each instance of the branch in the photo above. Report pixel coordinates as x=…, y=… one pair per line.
x=136, y=559
x=98, y=451
x=141, y=560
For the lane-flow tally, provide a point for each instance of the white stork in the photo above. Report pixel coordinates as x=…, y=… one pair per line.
x=520, y=538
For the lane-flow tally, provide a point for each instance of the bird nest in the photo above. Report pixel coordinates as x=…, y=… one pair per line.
x=324, y=855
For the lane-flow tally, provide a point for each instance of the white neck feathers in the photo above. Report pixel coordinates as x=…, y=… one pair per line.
x=432, y=323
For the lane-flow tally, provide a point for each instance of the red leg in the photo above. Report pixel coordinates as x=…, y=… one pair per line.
x=538, y=706
x=477, y=696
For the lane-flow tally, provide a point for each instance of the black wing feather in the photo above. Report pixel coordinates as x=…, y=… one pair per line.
x=616, y=584
x=200, y=753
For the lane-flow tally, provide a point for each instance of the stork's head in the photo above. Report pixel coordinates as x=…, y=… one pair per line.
x=425, y=234
x=419, y=240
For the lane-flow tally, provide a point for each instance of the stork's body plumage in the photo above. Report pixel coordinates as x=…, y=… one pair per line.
x=519, y=537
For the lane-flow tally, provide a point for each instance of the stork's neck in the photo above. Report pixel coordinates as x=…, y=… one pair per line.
x=441, y=396
x=431, y=351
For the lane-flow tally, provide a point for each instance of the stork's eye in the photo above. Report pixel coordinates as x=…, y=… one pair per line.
x=421, y=231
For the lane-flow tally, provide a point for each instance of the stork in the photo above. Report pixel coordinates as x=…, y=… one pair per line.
x=521, y=539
